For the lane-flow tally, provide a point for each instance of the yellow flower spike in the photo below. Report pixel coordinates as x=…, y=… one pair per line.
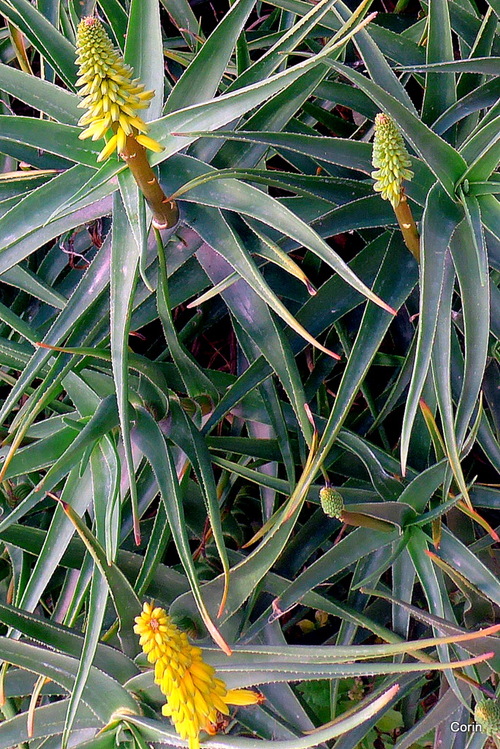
x=108, y=86
x=113, y=98
x=390, y=158
x=195, y=696
x=391, y=161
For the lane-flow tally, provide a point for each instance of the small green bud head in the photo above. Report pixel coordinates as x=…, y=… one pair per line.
x=487, y=715
x=332, y=502
x=112, y=97
x=390, y=159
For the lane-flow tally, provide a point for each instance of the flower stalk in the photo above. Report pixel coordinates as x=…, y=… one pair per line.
x=165, y=212
x=195, y=696
x=113, y=99
x=391, y=161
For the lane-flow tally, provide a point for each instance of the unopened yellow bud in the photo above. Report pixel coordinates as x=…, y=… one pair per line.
x=390, y=159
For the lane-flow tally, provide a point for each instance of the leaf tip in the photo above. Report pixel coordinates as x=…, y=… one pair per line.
x=310, y=288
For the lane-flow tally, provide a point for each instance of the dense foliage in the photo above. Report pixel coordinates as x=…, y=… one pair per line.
x=271, y=418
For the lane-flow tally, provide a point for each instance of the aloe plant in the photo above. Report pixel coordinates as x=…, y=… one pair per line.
x=237, y=381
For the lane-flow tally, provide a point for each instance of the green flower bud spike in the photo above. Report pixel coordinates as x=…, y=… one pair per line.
x=112, y=99
x=391, y=161
x=487, y=715
x=332, y=502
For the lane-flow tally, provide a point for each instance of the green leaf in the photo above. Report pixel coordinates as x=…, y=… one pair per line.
x=200, y=81
x=441, y=217
x=347, y=153
x=105, y=466
x=49, y=136
x=482, y=151
x=273, y=115
x=490, y=214
x=248, y=200
x=433, y=590
x=78, y=492
x=35, y=220
x=126, y=602
x=184, y=19
x=49, y=721
x=476, y=313
x=481, y=97
x=460, y=558
x=102, y=694
x=104, y=419
x=396, y=277
x=483, y=65
x=261, y=326
x=441, y=366
x=144, y=51
x=123, y=281
x=57, y=636
x=24, y=279
x=441, y=158
x=117, y=18
x=41, y=95
x=50, y=43
x=196, y=383
x=167, y=584
x=367, y=41
x=154, y=730
x=152, y=444
x=184, y=433
x=440, y=89
x=95, y=615
x=84, y=297
x=287, y=42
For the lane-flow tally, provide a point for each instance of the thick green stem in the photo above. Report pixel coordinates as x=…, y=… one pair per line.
x=165, y=212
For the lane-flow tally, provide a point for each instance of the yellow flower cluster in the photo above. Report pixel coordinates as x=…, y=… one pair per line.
x=390, y=159
x=194, y=694
x=112, y=96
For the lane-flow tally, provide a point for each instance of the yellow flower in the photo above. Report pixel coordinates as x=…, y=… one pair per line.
x=111, y=96
x=195, y=696
x=391, y=160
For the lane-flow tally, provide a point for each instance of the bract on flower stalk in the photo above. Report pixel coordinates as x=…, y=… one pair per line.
x=391, y=161
x=195, y=696
x=113, y=98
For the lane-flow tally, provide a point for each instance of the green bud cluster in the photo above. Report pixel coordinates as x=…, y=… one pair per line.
x=487, y=715
x=332, y=502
